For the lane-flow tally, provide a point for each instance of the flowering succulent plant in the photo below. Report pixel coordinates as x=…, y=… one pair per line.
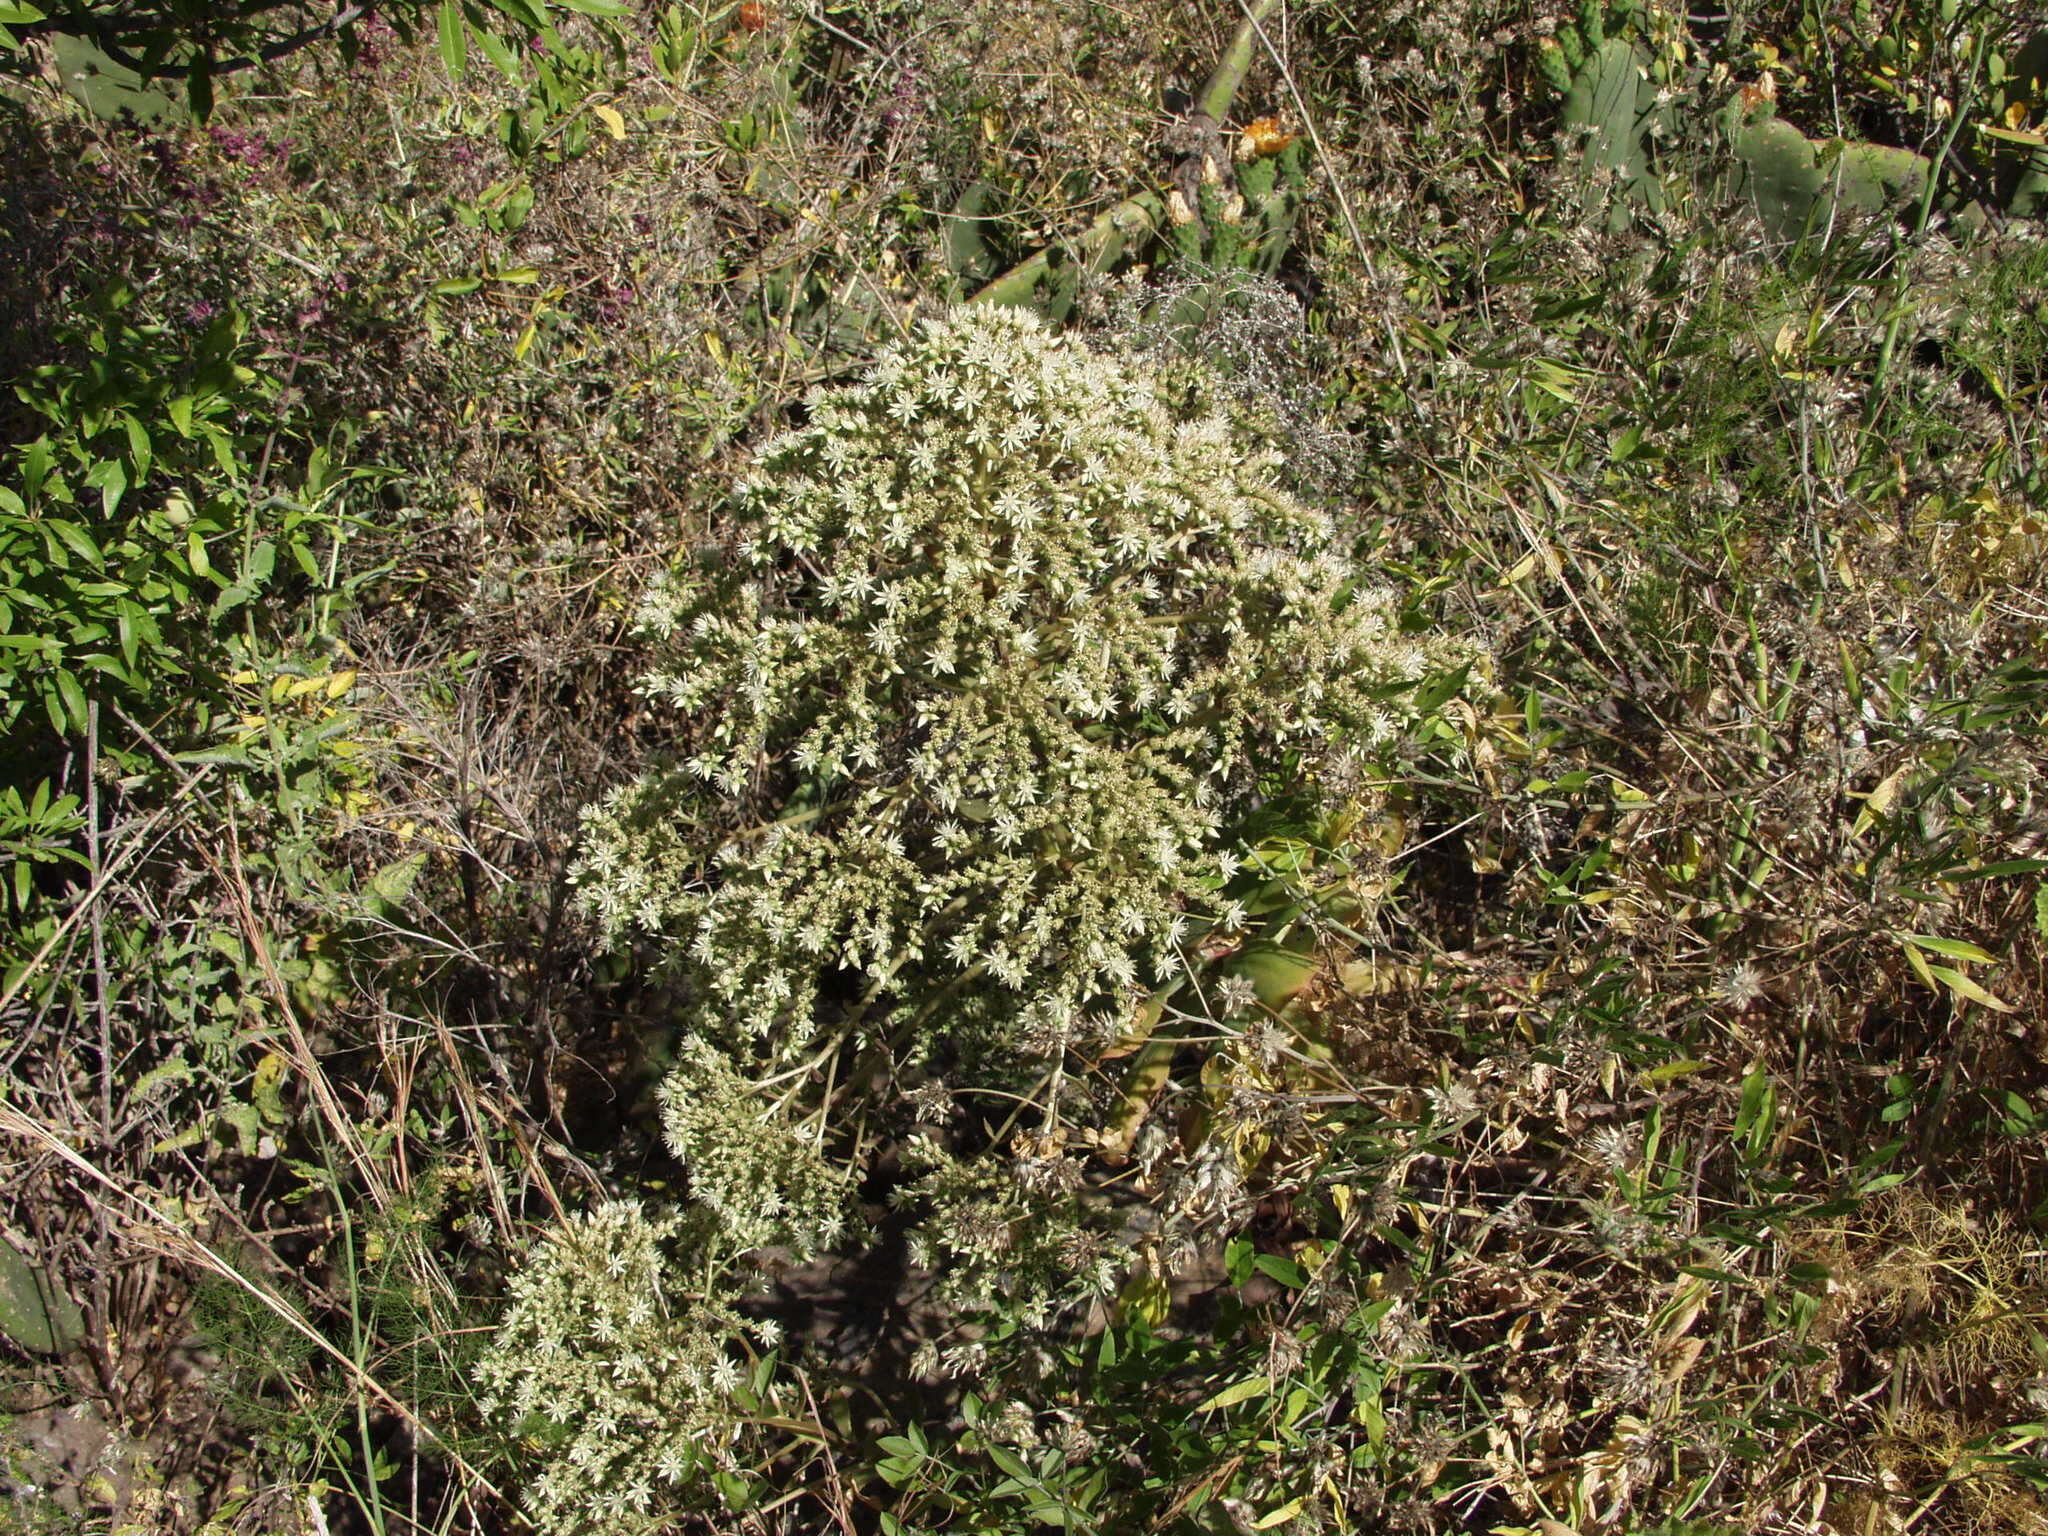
x=1009, y=635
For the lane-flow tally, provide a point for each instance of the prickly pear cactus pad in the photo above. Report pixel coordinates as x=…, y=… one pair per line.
x=1006, y=640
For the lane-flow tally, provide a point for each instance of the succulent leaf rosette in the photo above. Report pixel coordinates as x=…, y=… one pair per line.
x=1011, y=631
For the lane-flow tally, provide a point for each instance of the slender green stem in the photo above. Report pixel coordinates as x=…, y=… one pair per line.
x=1221, y=89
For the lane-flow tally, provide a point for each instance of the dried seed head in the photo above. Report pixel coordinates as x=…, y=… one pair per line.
x=1741, y=986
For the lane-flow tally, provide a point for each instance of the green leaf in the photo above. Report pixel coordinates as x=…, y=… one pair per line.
x=1009, y=1461
x=179, y=409
x=223, y=448
x=138, y=447
x=111, y=476
x=527, y=13
x=232, y=596
x=14, y=14
x=458, y=285
x=1917, y=963
x=199, y=87
x=35, y=466
x=1755, y=1118
x=1962, y=986
x=1286, y=1271
x=1675, y=1069
x=76, y=539
x=1243, y=1391
x=593, y=7
x=512, y=213
x=454, y=37
x=73, y=697
x=224, y=757
x=2002, y=867
x=1276, y=974
x=495, y=50
x=1955, y=949
x=390, y=885
x=1237, y=1259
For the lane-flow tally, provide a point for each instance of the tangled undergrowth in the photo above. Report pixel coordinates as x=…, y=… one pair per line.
x=1604, y=1095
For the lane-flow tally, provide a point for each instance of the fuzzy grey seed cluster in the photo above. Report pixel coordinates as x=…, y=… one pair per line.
x=1008, y=637
x=997, y=1235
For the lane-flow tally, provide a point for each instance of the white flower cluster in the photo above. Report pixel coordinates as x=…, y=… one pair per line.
x=1009, y=638
x=765, y=1180
x=636, y=1386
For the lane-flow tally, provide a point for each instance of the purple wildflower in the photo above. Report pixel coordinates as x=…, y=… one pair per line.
x=904, y=100
x=616, y=303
